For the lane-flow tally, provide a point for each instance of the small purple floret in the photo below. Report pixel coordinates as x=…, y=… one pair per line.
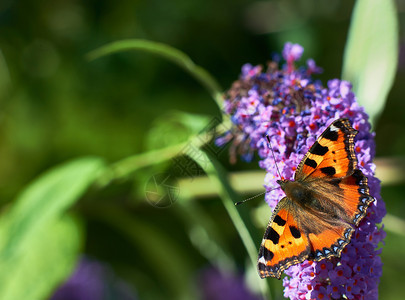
x=292, y=52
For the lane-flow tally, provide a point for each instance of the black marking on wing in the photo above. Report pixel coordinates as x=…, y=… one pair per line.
x=295, y=232
x=318, y=149
x=358, y=176
x=267, y=254
x=328, y=171
x=330, y=134
x=311, y=163
x=273, y=236
x=365, y=198
x=279, y=221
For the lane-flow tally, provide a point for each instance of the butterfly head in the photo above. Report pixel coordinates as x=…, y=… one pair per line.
x=282, y=183
x=294, y=190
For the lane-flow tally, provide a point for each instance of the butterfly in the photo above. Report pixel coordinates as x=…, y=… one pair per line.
x=328, y=197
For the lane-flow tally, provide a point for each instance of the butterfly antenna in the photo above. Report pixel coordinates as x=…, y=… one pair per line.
x=243, y=201
x=274, y=157
x=258, y=195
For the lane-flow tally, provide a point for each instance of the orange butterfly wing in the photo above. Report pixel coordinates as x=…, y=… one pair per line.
x=283, y=244
x=286, y=242
x=331, y=155
x=330, y=167
x=339, y=197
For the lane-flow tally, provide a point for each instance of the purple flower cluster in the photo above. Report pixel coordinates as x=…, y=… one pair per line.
x=293, y=109
x=93, y=280
x=216, y=285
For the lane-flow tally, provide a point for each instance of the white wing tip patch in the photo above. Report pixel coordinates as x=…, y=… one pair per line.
x=333, y=128
x=262, y=260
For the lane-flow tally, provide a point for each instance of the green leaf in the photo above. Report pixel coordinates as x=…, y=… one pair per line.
x=45, y=263
x=44, y=200
x=37, y=246
x=176, y=56
x=371, y=53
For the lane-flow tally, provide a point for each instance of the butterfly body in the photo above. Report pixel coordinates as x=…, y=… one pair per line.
x=296, y=191
x=328, y=197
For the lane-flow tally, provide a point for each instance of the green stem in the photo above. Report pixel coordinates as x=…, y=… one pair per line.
x=168, y=52
x=219, y=178
x=127, y=166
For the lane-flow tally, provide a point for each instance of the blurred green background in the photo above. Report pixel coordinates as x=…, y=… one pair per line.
x=56, y=105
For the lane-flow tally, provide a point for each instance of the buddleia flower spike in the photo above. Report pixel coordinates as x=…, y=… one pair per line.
x=288, y=105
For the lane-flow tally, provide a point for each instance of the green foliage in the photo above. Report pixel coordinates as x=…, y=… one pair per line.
x=46, y=261
x=169, y=53
x=371, y=54
x=36, y=224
